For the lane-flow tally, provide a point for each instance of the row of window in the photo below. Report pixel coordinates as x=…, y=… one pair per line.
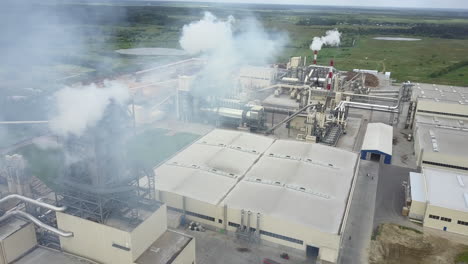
x=446, y=219
x=436, y=217
x=441, y=113
x=445, y=165
x=266, y=233
x=262, y=232
x=209, y=218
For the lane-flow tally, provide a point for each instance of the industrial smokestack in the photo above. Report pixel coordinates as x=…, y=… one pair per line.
x=332, y=63
x=330, y=77
x=315, y=57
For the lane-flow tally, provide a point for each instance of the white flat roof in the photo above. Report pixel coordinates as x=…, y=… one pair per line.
x=418, y=189
x=210, y=167
x=450, y=141
x=302, y=182
x=378, y=137
x=446, y=188
x=306, y=183
x=440, y=93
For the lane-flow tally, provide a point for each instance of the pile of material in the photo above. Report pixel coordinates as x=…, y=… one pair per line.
x=396, y=244
x=371, y=79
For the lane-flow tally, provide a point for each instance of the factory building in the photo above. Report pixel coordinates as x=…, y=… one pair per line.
x=277, y=192
x=441, y=146
x=377, y=143
x=438, y=100
x=439, y=199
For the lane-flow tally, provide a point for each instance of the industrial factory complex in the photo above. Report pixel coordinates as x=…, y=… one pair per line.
x=280, y=155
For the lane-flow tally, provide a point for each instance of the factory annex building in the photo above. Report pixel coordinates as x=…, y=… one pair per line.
x=279, y=192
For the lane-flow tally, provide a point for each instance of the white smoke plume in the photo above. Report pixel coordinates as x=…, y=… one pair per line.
x=210, y=33
x=228, y=45
x=81, y=108
x=331, y=38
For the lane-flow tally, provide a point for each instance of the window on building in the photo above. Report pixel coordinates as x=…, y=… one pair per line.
x=446, y=219
x=209, y=218
x=220, y=221
x=290, y=239
x=462, y=223
x=434, y=217
x=233, y=224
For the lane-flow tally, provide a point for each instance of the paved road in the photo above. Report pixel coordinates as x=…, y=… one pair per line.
x=361, y=215
x=391, y=196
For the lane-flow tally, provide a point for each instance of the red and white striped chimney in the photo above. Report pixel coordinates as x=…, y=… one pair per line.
x=315, y=57
x=330, y=75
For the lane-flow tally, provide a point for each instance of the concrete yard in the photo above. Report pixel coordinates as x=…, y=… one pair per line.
x=213, y=247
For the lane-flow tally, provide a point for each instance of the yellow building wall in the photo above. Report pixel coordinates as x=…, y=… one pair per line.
x=310, y=236
x=439, y=157
x=453, y=226
x=188, y=255
x=18, y=243
x=417, y=210
x=443, y=107
x=149, y=231
x=94, y=241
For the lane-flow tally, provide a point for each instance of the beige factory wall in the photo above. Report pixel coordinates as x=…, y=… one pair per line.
x=18, y=243
x=439, y=157
x=195, y=206
x=417, y=210
x=94, y=241
x=453, y=226
x=188, y=255
x=149, y=231
x=443, y=107
x=207, y=209
x=171, y=199
x=310, y=236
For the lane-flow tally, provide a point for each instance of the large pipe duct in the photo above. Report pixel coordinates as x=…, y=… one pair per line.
x=32, y=201
x=36, y=221
x=248, y=221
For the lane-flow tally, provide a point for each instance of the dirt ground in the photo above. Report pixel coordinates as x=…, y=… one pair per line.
x=394, y=244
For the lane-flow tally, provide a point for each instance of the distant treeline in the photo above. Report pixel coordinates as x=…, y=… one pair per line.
x=449, y=31
x=449, y=69
x=427, y=30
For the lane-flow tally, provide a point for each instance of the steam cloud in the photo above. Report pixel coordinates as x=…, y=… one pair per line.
x=331, y=38
x=81, y=108
x=228, y=45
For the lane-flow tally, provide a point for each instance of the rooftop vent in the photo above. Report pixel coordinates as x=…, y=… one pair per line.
x=460, y=181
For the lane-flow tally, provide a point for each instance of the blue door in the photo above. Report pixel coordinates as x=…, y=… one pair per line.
x=445, y=228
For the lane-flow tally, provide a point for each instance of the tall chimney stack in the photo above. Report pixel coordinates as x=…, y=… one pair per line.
x=315, y=57
x=330, y=77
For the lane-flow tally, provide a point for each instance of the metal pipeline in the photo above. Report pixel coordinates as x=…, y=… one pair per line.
x=32, y=201
x=377, y=98
x=383, y=108
x=35, y=221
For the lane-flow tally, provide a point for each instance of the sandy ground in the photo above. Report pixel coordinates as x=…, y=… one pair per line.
x=396, y=245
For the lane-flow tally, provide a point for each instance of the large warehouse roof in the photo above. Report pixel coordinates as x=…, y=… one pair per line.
x=442, y=93
x=446, y=188
x=289, y=180
x=306, y=183
x=378, y=137
x=210, y=167
x=450, y=141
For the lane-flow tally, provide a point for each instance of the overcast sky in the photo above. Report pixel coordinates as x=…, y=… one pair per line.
x=392, y=3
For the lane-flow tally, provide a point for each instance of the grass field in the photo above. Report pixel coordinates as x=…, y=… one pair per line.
x=444, y=37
